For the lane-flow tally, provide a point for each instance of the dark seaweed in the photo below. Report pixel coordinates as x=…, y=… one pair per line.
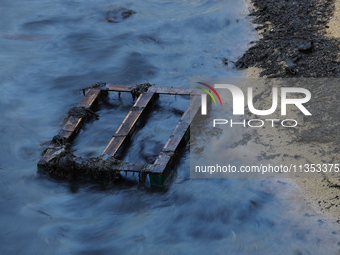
x=294, y=44
x=68, y=166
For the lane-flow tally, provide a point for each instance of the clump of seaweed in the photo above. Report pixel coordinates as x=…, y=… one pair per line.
x=61, y=141
x=139, y=89
x=68, y=166
x=82, y=112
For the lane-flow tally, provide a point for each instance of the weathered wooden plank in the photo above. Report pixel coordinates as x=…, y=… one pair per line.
x=89, y=98
x=67, y=134
x=119, y=87
x=194, y=106
x=175, y=91
x=69, y=129
x=143, y=100
x=127, y=128
x=131, y=167
x=157, y=90
x=162, y=159
x=179, y=136
x=98, y=170
x=52, y=151
x=114, y=145
x=135, y=167
x=182, y=126
x=128, y=123
x=176, y=137
x=71, y=126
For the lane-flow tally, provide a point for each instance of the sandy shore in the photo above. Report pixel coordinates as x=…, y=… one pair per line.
x=321, y=193
x=334, y=23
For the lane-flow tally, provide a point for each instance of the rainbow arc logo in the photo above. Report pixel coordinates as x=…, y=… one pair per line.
x=208, y=92
x=204, y=97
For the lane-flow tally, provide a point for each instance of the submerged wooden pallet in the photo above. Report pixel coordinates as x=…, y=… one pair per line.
x=158, y=171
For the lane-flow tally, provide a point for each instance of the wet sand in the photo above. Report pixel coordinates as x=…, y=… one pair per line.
x=321, y=193
x=324, y=194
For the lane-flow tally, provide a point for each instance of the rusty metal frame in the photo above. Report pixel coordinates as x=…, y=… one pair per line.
x=158, y=171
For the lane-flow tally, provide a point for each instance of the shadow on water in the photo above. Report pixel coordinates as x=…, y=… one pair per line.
x=52, y=49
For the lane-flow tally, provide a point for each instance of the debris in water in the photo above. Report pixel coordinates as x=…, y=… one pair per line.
x=118, y=15
x=59, y=161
